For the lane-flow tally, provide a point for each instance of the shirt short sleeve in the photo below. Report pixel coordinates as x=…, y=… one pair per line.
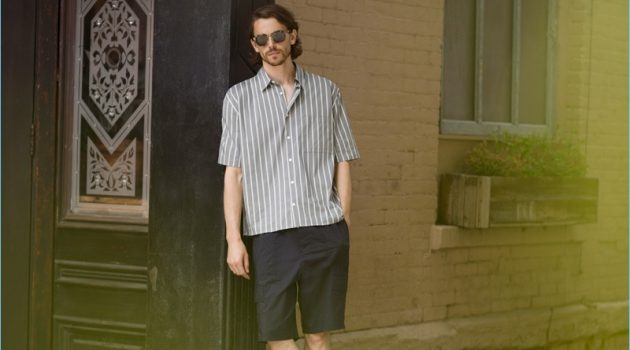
x=229, y=150
x=345, y=146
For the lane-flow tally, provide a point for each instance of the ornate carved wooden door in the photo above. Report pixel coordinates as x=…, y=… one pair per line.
x=139, y=246
x=101, y=231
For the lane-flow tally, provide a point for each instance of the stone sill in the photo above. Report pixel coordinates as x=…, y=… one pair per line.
x=520, y=329
x=445, y=237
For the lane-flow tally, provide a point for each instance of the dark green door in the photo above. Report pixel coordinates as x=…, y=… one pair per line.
x=101, y=229
x=127, y=236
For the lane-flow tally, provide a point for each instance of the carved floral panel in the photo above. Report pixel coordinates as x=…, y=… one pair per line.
x=112, y=114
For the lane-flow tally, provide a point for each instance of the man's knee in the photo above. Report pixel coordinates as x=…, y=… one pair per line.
x=317, y=340
x=282, y=345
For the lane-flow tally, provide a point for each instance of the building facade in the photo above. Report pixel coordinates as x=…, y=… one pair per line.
x=112, y=230
x=417, y=284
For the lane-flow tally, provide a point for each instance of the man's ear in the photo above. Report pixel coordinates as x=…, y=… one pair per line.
x=251, y=41
x=294, y=35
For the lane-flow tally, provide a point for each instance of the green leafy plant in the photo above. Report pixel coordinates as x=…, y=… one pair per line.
x=526, y=156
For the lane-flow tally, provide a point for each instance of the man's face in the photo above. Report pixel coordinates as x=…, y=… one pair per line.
x=273, y=53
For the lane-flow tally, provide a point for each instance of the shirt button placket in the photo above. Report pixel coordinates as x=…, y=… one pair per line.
x=291, y=174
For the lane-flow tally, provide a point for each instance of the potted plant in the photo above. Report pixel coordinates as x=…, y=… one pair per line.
x=515, y=180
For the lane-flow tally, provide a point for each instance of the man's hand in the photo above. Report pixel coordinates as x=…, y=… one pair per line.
x=238, y=259
x=344, y=188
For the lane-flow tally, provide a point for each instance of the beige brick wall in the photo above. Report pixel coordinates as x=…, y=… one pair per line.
x=386, y=58
x=605, y=98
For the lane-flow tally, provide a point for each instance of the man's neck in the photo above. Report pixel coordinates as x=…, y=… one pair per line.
x=283, y=74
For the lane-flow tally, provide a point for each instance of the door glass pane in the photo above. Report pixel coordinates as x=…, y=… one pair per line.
x=111, y=121
x=459, y=60
x=533, y=62
x=496, y=55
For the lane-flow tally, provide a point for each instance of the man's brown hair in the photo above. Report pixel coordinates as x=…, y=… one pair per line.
x=282, y=15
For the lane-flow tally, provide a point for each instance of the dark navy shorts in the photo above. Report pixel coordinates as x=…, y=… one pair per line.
x=308, y=265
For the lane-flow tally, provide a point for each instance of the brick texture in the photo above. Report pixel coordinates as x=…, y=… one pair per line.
x=593, y=103
x=386, y=58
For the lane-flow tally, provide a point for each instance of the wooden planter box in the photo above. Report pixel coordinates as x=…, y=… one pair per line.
x=487, y=201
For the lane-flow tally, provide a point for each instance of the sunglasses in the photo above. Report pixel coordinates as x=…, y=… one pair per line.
x=278, y=36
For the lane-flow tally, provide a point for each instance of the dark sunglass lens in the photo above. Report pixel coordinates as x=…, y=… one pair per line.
x=261, y=40
x=278, y=36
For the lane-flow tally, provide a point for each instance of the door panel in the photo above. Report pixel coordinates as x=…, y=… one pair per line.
x=186, y=244
x=89, y=334
x=107, y=111
x=100, y=274
x=100, y=289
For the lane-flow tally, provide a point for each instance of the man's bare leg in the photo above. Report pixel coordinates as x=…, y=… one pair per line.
x=317, y=341
x=282, y=345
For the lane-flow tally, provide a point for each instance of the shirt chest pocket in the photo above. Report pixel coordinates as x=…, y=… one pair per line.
x=317, y=134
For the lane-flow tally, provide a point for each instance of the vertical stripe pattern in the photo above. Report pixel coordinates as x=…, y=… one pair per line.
x=286, y=151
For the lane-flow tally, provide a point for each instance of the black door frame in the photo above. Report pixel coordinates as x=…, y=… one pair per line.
x=30, y=101
x=18, y=37
x=45, y=123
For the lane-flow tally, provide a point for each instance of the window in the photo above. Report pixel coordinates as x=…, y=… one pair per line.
x=497, y=66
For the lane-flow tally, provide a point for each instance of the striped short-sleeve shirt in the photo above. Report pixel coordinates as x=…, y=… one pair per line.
x=286, y=150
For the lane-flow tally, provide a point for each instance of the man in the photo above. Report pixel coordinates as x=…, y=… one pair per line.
x=286, y=145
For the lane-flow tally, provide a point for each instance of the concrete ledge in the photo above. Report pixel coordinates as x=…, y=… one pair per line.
x=444, y=237
x=525, y=329
x=582, y=321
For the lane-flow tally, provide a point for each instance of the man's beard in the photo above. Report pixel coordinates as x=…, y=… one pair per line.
x=278, y=62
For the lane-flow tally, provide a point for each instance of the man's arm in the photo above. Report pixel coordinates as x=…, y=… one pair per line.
x=237, y=257
x=343, y=183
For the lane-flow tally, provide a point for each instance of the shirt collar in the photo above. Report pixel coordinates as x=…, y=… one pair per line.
x=264, y=80
x=299, y=75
